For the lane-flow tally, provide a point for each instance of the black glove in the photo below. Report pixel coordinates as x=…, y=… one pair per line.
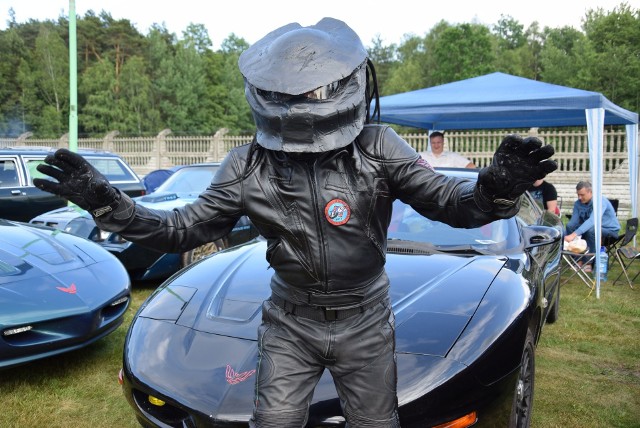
x=516, y=165
x=78, y=182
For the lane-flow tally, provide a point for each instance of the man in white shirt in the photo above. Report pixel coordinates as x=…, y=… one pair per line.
x=438, y=157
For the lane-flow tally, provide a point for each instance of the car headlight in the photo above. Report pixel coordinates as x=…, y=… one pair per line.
x=83, y=227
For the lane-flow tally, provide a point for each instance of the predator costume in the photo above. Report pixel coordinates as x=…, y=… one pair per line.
x=318, y=182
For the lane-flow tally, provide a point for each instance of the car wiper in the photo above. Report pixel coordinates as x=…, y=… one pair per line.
x=462, y=249
x=407, y=246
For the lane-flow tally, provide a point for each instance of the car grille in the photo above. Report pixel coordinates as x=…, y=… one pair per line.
x=65, y=331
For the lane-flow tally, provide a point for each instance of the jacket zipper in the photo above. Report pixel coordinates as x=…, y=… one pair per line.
x=314, y=193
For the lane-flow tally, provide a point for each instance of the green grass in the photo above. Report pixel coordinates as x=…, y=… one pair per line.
x=588, y=362
x=587, y=373
x=77, y=389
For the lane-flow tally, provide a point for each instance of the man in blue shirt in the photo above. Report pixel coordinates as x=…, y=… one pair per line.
x=582, y=223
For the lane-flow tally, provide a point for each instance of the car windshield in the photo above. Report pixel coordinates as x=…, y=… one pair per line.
x=189, y=180
x=408, y=228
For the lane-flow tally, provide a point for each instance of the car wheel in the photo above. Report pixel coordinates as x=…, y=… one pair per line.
x=200, y=252
x=552, y=316
x=523, y=395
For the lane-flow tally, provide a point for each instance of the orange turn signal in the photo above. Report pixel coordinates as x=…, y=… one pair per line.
x=463, y=422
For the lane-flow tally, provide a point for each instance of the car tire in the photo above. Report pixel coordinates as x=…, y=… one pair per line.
x=552, y=316
x=523, y=394
x=200, y=252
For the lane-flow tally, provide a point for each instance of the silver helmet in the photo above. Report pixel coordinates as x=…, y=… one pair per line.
x=306, y=86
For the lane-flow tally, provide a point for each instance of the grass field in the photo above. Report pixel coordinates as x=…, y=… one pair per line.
x=587, y=373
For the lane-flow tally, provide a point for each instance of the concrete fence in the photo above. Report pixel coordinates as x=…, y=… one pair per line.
x=146, y=154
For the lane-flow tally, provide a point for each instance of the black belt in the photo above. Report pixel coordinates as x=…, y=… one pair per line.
x=318, y=313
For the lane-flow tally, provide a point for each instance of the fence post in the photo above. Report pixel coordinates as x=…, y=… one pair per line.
x=217, y=144
x=63, y=141
x=23, y=137
x=107, y=142
x=162, y=159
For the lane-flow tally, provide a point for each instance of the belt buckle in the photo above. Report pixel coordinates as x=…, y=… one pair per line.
x=330, y=315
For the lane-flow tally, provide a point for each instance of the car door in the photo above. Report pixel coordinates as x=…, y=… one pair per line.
x=13, y=199
x=38, y=201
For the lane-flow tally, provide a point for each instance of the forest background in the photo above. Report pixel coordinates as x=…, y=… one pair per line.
x=140, y=84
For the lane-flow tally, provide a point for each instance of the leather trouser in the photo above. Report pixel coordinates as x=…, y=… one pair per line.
x=359, y=352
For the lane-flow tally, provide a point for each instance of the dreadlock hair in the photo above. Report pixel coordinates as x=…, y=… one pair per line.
x=371, y=92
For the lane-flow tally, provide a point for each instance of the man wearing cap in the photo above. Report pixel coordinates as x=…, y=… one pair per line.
x=318, y=182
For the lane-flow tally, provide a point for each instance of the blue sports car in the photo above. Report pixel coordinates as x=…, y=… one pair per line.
x=470, y=305
x=58, y=292
x=182, y=187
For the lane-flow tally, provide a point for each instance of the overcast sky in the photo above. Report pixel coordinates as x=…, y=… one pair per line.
x=252, y=19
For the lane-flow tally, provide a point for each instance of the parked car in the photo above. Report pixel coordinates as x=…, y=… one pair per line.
x=58, y=293
x=155, y=178
x=20, y=200
x=470, y=305
x=143, y=263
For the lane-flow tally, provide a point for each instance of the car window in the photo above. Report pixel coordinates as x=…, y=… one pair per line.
x=113, y=169
x=8, y=173
x=529, y=211
x=408, y=225
x=189, y=180
x=33, y=172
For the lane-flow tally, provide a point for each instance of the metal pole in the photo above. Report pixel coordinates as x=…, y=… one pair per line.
x=73, y=79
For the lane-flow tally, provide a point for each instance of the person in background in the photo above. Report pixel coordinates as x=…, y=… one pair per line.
x=582, y=221
x=546, y=195
x=439, y=157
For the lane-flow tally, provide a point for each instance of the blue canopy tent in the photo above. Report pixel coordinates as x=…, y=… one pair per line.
x=499, y=100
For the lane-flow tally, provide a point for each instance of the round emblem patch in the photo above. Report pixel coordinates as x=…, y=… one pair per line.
x=337, y=212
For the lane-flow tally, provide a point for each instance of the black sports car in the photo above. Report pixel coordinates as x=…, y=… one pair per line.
x=470, y=305
x=58, y=292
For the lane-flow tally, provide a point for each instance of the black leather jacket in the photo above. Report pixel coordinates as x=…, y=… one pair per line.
x=325, y=215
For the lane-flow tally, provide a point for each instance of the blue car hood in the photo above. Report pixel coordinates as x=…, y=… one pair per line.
x=224, y=294
x=163, y=201
x=42, y=272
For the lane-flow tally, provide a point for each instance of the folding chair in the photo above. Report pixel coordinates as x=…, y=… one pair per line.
x=629, y=253
x=611, y=245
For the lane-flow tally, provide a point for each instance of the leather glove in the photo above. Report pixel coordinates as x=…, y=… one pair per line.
x=516, y=165
x=77, y=181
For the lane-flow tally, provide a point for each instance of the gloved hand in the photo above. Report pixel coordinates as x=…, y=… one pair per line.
x=78, y=182
x=516, y=165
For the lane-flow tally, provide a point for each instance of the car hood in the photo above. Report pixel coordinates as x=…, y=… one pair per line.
x=194, y=340
x=60, y=217
x=427, y=290
x=166, y=200
x=158, y=200
x=44, y=271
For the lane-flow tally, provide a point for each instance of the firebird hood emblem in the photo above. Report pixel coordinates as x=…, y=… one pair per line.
x=70, y=289
x=233, y=377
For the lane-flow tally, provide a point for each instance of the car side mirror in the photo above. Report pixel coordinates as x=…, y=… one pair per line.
x=536, y=236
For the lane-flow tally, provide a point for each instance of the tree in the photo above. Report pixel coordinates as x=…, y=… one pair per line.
x=510, y=32
x=100, y=111
x=225, y=87
x=180, y=86
x=384, y=61
x=12, y=54
x=614, y=67
x=411, y=71
x=138, y=115
x=561, y=54
x=462, y=51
